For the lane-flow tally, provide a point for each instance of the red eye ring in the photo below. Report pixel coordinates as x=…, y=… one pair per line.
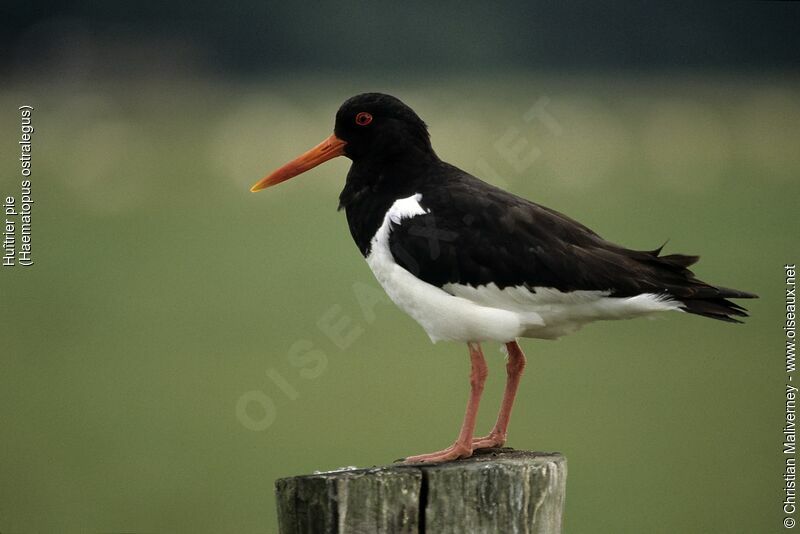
x=363, y=118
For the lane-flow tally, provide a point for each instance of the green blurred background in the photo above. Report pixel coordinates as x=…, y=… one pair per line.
x=147, y=380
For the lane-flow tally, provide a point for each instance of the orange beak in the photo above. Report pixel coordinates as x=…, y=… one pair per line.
x=328, y=149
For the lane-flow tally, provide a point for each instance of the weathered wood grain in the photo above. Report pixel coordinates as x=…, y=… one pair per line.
x=495, y=491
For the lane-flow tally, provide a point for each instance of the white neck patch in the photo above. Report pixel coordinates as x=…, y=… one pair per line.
x=405, y=208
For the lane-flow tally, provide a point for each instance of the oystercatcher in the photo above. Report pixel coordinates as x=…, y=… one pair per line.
x=471, y=262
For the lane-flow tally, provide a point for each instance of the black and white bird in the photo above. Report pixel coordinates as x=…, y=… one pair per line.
x=471, y=262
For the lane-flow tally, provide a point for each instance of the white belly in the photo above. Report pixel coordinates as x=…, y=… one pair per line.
x=486, y=313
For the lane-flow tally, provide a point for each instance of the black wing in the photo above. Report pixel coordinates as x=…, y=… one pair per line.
x=476, y=234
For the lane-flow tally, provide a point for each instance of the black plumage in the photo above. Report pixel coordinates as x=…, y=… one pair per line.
x=477, y=234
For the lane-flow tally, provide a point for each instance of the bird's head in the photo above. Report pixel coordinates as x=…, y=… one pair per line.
x=369, y=127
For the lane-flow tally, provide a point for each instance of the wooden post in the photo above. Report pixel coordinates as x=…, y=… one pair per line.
x=498, y=490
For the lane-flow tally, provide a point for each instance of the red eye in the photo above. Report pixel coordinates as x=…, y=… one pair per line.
x=363, y=118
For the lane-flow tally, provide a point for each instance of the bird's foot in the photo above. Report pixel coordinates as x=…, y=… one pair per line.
x=492, y=441
x=453, y=452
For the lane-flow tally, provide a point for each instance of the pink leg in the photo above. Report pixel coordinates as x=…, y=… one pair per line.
x=514, y=368
x=462, y=448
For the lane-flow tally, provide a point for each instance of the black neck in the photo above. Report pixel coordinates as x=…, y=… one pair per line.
x=372, y=187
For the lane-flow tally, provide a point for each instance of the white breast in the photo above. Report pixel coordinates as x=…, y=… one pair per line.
x=486, y=313
x=442, y=315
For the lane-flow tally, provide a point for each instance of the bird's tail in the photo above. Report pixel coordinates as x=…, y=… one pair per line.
x=698, y=297
x=719, y=307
